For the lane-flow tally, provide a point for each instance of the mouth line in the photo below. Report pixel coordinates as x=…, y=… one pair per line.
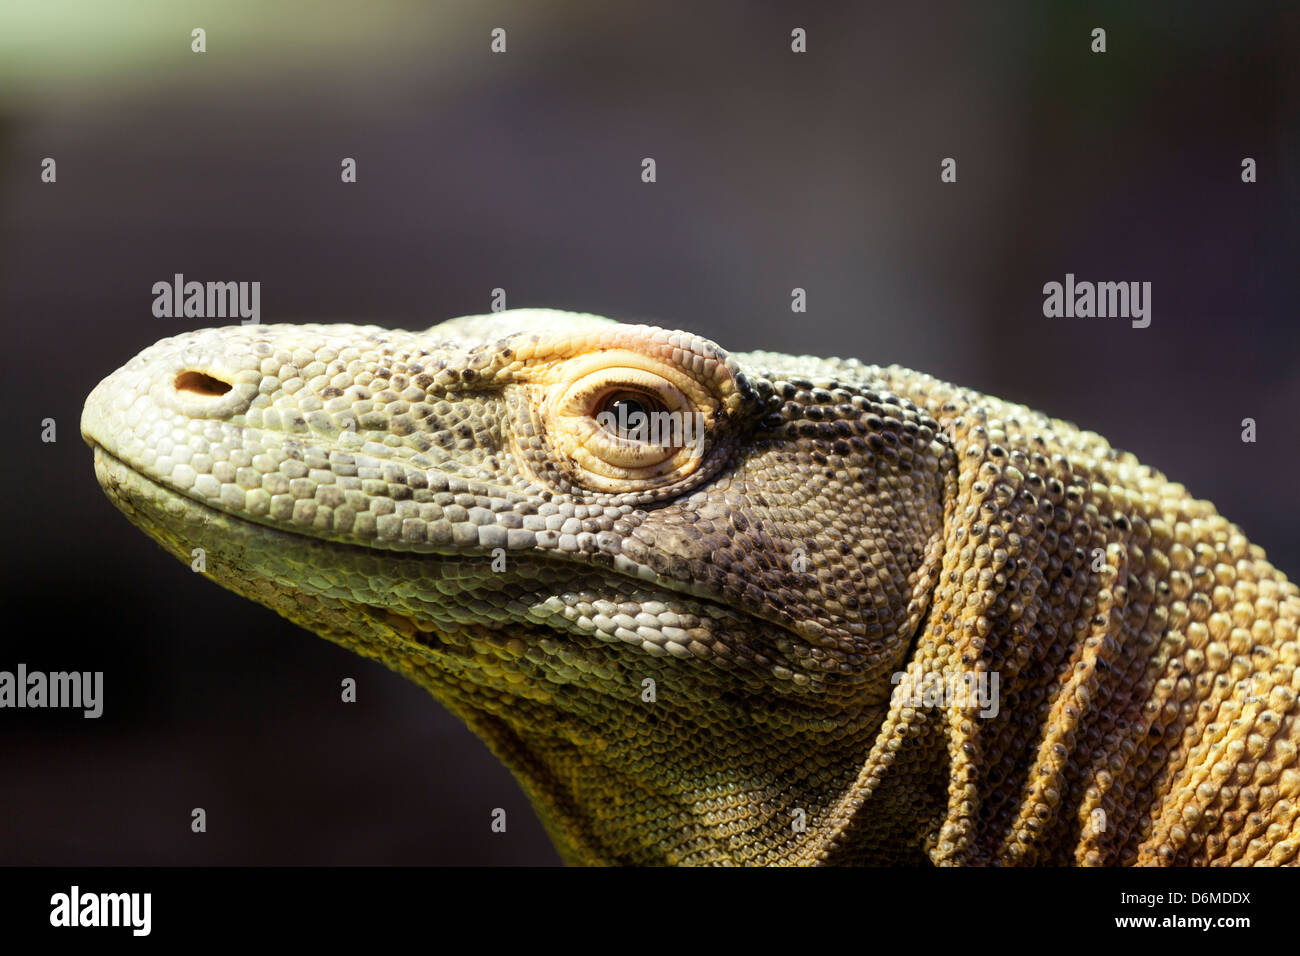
x=159, y=491
x=206, y=508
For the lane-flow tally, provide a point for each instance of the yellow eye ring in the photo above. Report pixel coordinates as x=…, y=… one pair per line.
x=626, y=422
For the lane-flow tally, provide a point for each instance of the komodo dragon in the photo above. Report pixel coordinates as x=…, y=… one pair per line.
x=758, y=634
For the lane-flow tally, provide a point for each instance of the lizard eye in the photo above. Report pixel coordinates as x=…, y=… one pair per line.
x=624, y=422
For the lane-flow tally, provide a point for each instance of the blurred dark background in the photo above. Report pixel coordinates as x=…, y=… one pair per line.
x=522, y=171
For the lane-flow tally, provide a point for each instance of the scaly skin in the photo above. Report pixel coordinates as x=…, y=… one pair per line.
x=443, y=502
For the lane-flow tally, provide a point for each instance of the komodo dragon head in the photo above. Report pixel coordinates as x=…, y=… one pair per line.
x=671, y=587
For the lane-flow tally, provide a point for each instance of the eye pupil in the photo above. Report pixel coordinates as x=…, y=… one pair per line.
x=627, y=407
x=628, y=415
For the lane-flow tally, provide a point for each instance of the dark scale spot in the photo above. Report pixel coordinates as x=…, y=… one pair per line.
x=468, y=375
x=331, y=392
x=415, y=369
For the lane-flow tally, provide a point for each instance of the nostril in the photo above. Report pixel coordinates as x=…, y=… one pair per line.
x=201, y=383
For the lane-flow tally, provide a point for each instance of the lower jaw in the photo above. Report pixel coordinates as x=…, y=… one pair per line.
x=561, y=744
